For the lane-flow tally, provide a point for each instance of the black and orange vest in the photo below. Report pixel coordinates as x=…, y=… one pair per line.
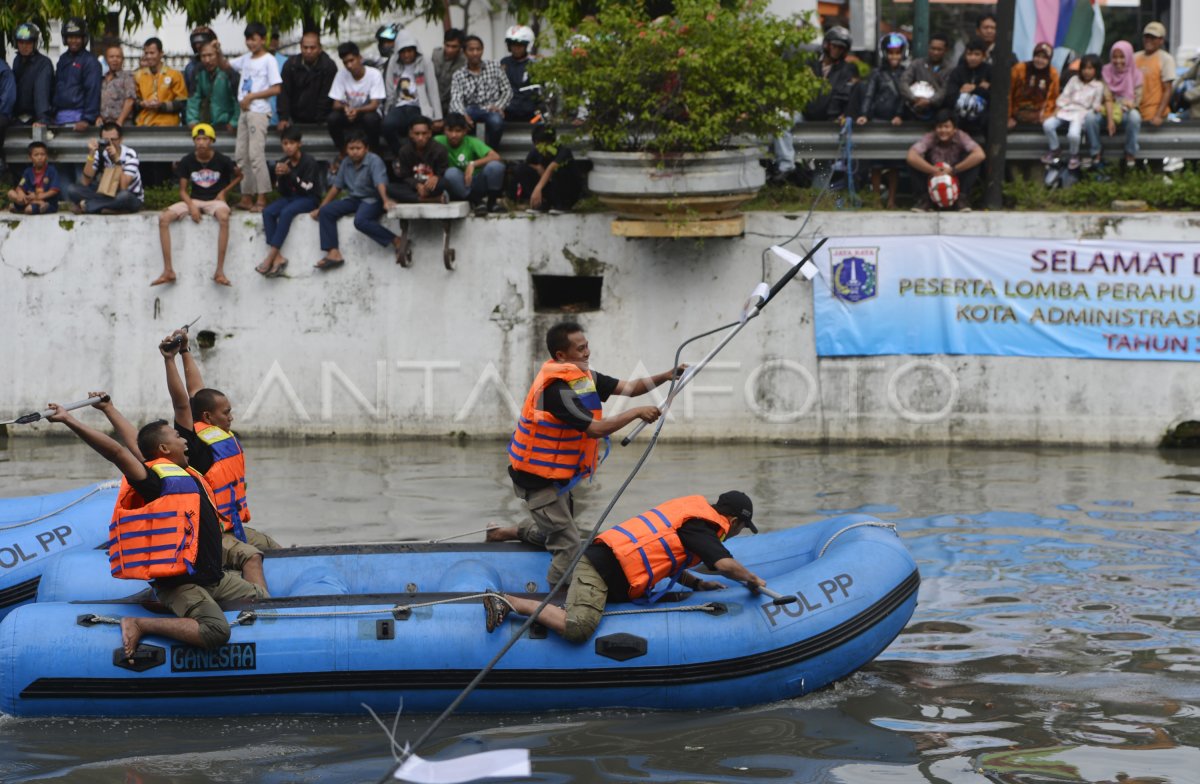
x=545, y=446
x=227, y=477
x=648, y=548
x=160, y=538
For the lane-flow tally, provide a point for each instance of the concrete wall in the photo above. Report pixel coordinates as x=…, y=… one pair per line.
x=373, y=348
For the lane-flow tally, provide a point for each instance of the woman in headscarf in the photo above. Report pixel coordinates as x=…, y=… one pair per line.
x=1034, y=91
x=1123, y=95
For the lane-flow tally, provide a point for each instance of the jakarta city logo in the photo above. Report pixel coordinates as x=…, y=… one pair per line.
x=854, y=273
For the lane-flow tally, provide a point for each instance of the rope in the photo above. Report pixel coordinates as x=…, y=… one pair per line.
x=249, y=616
x=102, y=486
x=874, y=524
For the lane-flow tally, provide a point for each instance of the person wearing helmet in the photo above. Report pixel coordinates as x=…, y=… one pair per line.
x=923, y=84
x=447, y=59
x=77, y=79
x=385, y=46
x=412, y=92
x=34, y=75
x=523, y=106
x=968, y=88
x=883, y=102
x=200, y=36
x=8, y=102
x=840, y=75
x=945, y=150
x=481, y=92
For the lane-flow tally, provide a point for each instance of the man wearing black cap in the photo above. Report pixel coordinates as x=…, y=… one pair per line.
x=627, y=561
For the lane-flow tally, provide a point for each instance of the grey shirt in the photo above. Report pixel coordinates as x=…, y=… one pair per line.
x=360, y=181
x=920, y=70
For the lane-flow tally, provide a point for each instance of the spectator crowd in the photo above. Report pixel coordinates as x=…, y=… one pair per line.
x=1090, y=99
x=405, y=123
x=418, y=111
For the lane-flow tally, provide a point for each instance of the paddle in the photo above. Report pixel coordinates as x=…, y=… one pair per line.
x=779, y=598
x=34, y=416
x=758, y=301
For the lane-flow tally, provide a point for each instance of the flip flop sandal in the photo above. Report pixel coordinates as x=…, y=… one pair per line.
x=495, y=610
x=328, y=263
x=277, y=271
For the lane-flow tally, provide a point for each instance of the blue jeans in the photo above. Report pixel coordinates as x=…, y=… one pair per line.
x=493, y=125
x=124, y=201
x=279, y=214
x=488, y=182
x=1131, y=121
x=366, y=219
x=1089, y=125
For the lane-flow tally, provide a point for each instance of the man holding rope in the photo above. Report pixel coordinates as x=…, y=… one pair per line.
x=625, y=562
x=557, y=439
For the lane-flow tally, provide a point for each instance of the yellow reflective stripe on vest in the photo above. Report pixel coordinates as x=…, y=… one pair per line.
x=168, y=469
x=211, y=434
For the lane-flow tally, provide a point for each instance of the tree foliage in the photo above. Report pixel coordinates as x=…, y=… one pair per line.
x=324, y=15
x=699, y=79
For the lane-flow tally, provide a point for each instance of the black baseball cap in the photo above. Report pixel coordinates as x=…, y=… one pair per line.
x=737, y=504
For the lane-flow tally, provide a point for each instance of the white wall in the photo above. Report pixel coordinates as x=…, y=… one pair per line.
x=373, y=348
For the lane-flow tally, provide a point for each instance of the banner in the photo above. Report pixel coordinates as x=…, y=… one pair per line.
x=1008, y=297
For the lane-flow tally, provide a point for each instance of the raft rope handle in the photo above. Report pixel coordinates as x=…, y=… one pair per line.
x=110, y=484
x=872, y=524
x=249, y=616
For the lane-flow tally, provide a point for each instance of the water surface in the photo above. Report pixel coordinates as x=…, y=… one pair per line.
x=1056, y=638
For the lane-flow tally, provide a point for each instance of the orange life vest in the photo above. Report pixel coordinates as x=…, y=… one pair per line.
x=227, y=477
x=648, y=547
x=544, y=445
x=160, y=538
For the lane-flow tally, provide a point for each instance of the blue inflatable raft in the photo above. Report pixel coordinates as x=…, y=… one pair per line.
x=37, y=530
x=381, y=624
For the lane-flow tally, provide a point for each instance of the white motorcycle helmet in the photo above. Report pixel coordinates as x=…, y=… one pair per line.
x=923, y=90
x=520, y=34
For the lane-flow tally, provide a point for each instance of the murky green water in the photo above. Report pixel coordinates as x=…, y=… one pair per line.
x=1056, y=639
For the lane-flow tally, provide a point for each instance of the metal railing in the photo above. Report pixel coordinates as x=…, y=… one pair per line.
x=819, y=141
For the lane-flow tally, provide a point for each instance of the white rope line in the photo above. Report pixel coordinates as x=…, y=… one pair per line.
x=874, y=524
x=102, y=486
x=248, y=616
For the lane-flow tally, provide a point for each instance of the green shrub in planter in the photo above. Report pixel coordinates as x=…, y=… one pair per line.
x=702, y=79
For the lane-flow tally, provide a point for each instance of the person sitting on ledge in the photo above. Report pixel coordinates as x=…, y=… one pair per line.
x=625, y=562
x=945, y=150
x=211, y=176
x=36, y=193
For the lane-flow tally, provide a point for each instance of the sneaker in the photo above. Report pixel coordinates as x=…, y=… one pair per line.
x=498, y=209
x=1048, y=158
x=1074, y=163
x=1172, y=164
x=1086, y=163
x=495, y=610
x=480, y=210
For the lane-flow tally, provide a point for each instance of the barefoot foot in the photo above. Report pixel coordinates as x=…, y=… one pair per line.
x=166, y=277
x=131, y=635
x=220, y=278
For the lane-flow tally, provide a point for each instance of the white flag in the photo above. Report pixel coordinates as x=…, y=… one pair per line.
x=506, y=763
x=809, y=270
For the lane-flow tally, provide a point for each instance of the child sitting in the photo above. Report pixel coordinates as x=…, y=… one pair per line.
x=38, y=190
x=1079, y=105
x=968, y=88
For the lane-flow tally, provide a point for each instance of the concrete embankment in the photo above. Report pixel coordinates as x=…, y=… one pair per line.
x=377, y=349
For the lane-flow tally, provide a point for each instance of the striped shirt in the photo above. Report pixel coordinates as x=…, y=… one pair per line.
x=489, y=87
x=129, y=164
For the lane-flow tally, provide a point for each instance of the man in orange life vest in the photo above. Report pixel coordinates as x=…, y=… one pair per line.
x=182, y=559
x=202, y=418
x=625, y=562
x=557, y=437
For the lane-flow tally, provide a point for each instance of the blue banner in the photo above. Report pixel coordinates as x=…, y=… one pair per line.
x=1008, y=297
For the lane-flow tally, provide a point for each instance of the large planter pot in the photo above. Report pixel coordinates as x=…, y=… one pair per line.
x=673, y=191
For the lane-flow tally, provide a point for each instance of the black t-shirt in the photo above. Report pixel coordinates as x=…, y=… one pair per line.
x=207, y=179
x=302, y=179
x=562, y=156
x=699, y=537
x=208, y=556
x=561, y=402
